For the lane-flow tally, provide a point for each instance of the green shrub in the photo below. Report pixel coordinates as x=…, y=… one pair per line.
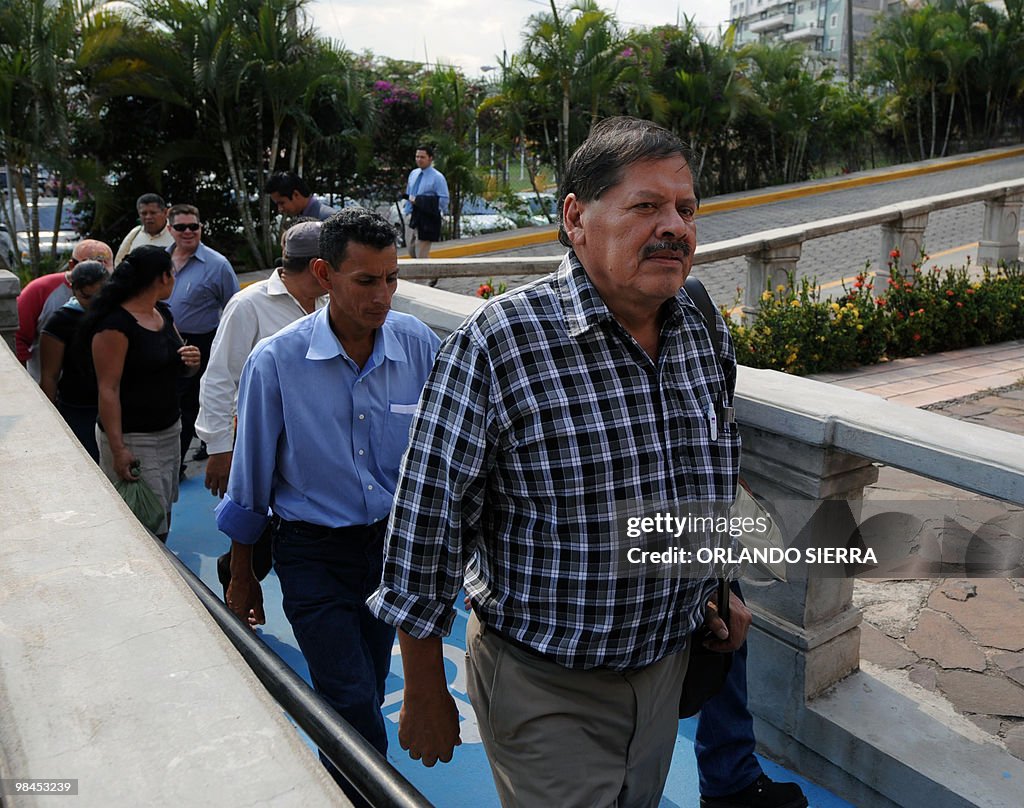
x=916, y=312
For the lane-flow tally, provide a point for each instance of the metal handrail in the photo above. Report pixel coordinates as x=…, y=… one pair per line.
x=364, y=767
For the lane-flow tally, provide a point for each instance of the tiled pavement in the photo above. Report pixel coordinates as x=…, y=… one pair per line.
x=957, y=641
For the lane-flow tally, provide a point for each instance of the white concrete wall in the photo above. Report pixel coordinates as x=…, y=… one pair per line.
x=110, y=670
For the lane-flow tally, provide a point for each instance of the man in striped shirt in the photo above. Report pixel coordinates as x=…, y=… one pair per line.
x=549, y=415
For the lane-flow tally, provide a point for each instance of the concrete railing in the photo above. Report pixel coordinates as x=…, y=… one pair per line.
x=111, y=672
x=810, y=441
x=772, y=254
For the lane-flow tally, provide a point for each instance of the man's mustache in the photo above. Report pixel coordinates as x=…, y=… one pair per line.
x=662, y=246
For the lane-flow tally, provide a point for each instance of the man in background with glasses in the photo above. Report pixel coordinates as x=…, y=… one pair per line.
x=204, y=282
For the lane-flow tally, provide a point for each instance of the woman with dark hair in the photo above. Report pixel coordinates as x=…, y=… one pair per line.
x=139, y=355
x=65, y=367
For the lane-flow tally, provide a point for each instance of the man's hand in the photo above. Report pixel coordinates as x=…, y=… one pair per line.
x=123, y=461
x=730, y=637
x=217, y=468
x=428, y=727
x=245, y=598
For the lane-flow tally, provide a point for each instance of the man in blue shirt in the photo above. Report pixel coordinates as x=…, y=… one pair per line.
x=426, y=195
x=204, y=282
x=324, y=409
x=292, y=197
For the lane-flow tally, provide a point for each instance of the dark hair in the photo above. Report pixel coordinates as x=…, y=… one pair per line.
x=295, y=266
x=354, y=224
x=428, y=148
x=150, y=199
x=136, y=273
x=86, y=273
x=287, y=183
x=183, y=209
x=612, y=145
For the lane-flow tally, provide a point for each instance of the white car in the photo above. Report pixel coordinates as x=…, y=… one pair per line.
x=67, y=233
x=478, y=217
x=6, y=249
x=540, y=212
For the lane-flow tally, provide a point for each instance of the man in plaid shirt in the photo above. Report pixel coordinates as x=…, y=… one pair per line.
x=548, y=414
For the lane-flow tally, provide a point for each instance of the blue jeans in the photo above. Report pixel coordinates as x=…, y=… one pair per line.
x=724, y=741
x=326, y=576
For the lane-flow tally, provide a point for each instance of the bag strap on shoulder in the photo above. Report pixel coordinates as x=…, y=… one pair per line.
x=702, y=300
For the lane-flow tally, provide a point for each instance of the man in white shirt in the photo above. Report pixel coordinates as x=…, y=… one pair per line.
x=153, y=214
x=261, y=309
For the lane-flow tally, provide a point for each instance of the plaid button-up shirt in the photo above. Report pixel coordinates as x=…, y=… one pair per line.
x=542, y=423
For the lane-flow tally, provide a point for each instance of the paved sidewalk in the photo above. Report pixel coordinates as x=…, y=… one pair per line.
x=921, y=381
x=957, y=643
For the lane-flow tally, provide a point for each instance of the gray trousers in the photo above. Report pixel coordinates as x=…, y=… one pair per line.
x=555, y=736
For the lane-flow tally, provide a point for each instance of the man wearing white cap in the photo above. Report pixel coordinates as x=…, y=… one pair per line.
x=259, y=310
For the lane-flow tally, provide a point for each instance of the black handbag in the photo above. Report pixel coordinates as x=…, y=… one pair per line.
x=707, y=669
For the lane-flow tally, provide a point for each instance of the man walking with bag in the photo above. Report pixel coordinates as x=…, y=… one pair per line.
x=551, y=412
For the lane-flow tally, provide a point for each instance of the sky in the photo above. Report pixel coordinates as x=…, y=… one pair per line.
x=471, y=34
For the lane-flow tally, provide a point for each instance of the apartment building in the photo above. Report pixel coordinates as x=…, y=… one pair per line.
x=820, y=24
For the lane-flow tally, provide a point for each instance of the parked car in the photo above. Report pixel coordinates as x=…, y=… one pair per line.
x=542, y=210
x=478, y=217
x=67, y=232
x=6, y=248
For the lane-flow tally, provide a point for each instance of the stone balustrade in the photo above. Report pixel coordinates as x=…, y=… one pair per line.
x=772, y=254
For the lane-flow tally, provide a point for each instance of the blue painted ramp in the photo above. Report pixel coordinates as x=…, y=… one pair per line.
x=466, y=781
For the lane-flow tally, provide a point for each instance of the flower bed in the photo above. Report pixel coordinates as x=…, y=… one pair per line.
x=904, y=312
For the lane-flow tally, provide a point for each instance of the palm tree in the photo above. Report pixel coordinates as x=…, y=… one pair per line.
x=39, y=47
x=578, y=51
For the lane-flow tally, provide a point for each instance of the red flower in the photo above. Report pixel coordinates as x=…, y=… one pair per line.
x=950, y=293
x=880, y=301
x=959, y=305
x=970, y=291
x=485, y=290
x=917, y=337
x=895, y=253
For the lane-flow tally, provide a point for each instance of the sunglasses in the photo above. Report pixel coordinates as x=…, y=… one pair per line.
x=181, y=228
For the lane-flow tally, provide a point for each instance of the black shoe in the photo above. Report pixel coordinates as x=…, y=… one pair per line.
x=200, y=453
x=762, y=793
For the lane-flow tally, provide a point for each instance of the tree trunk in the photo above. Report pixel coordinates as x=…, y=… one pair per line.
x=237, y=184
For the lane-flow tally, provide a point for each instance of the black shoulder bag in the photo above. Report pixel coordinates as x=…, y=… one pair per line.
x=707, y=670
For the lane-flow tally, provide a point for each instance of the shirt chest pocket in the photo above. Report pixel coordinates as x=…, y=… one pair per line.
x=393, y=435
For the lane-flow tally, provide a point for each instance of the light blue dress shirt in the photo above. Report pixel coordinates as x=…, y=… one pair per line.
x=201, y=290
x=431, y=183
x=319, y=439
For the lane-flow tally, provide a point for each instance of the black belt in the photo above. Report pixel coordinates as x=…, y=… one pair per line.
x=320, y=531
